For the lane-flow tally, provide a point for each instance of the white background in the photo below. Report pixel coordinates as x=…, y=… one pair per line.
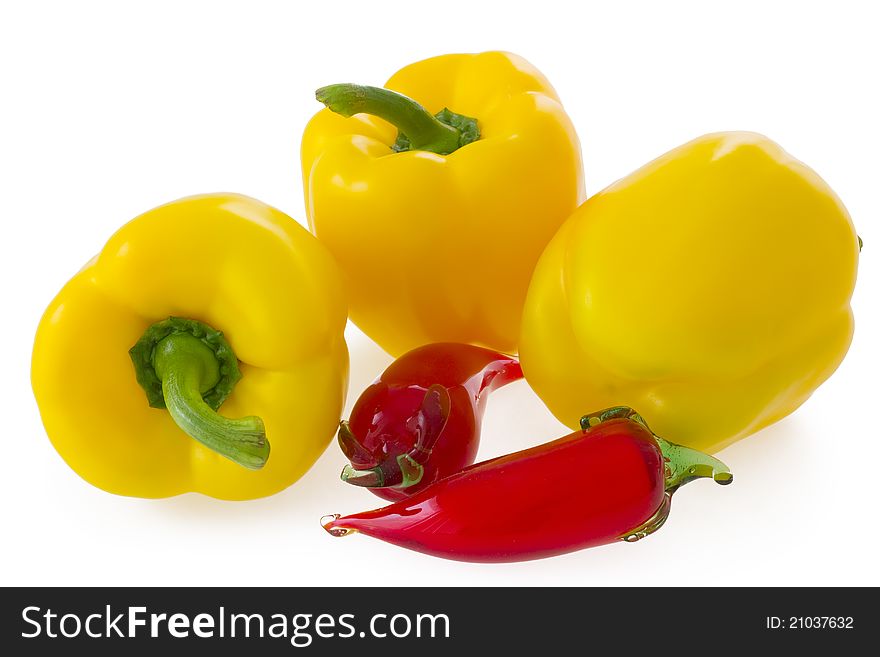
x=109, y=109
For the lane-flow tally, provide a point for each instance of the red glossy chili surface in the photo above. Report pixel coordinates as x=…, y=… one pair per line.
x=585, y=489
x=391, y=414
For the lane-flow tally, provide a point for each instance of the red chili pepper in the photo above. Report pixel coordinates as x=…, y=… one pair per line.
x=420, y=421
x=613, y=480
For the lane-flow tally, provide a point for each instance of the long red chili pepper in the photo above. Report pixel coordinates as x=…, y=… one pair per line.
x=420, y=421
x=613, y=480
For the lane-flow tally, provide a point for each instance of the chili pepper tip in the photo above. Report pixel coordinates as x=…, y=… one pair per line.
x=327, y=523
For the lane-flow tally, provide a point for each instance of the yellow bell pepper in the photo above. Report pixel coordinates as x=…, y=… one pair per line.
x=710, y=289
x=437, y=221
x=203, y=292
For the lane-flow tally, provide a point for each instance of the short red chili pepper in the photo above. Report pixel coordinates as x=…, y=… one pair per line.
x=613, y=480
x=420, y=421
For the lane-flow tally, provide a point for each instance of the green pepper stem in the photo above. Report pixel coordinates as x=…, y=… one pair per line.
x=424, y=131
x=684, y=464
x=188, y=368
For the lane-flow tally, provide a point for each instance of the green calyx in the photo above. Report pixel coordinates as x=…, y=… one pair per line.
x=189, y=368
x=465, y=126
x=418, y=130
x=142, y=357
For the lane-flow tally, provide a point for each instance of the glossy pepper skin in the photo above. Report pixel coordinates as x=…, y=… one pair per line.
x=420, y=421
x=710, y=289
x=234, y=315
x=612, y=480
x=440, y=247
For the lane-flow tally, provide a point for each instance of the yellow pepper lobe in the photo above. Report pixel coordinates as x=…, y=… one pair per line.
x=233, y=264
x=710, y=289
x=437, y=241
